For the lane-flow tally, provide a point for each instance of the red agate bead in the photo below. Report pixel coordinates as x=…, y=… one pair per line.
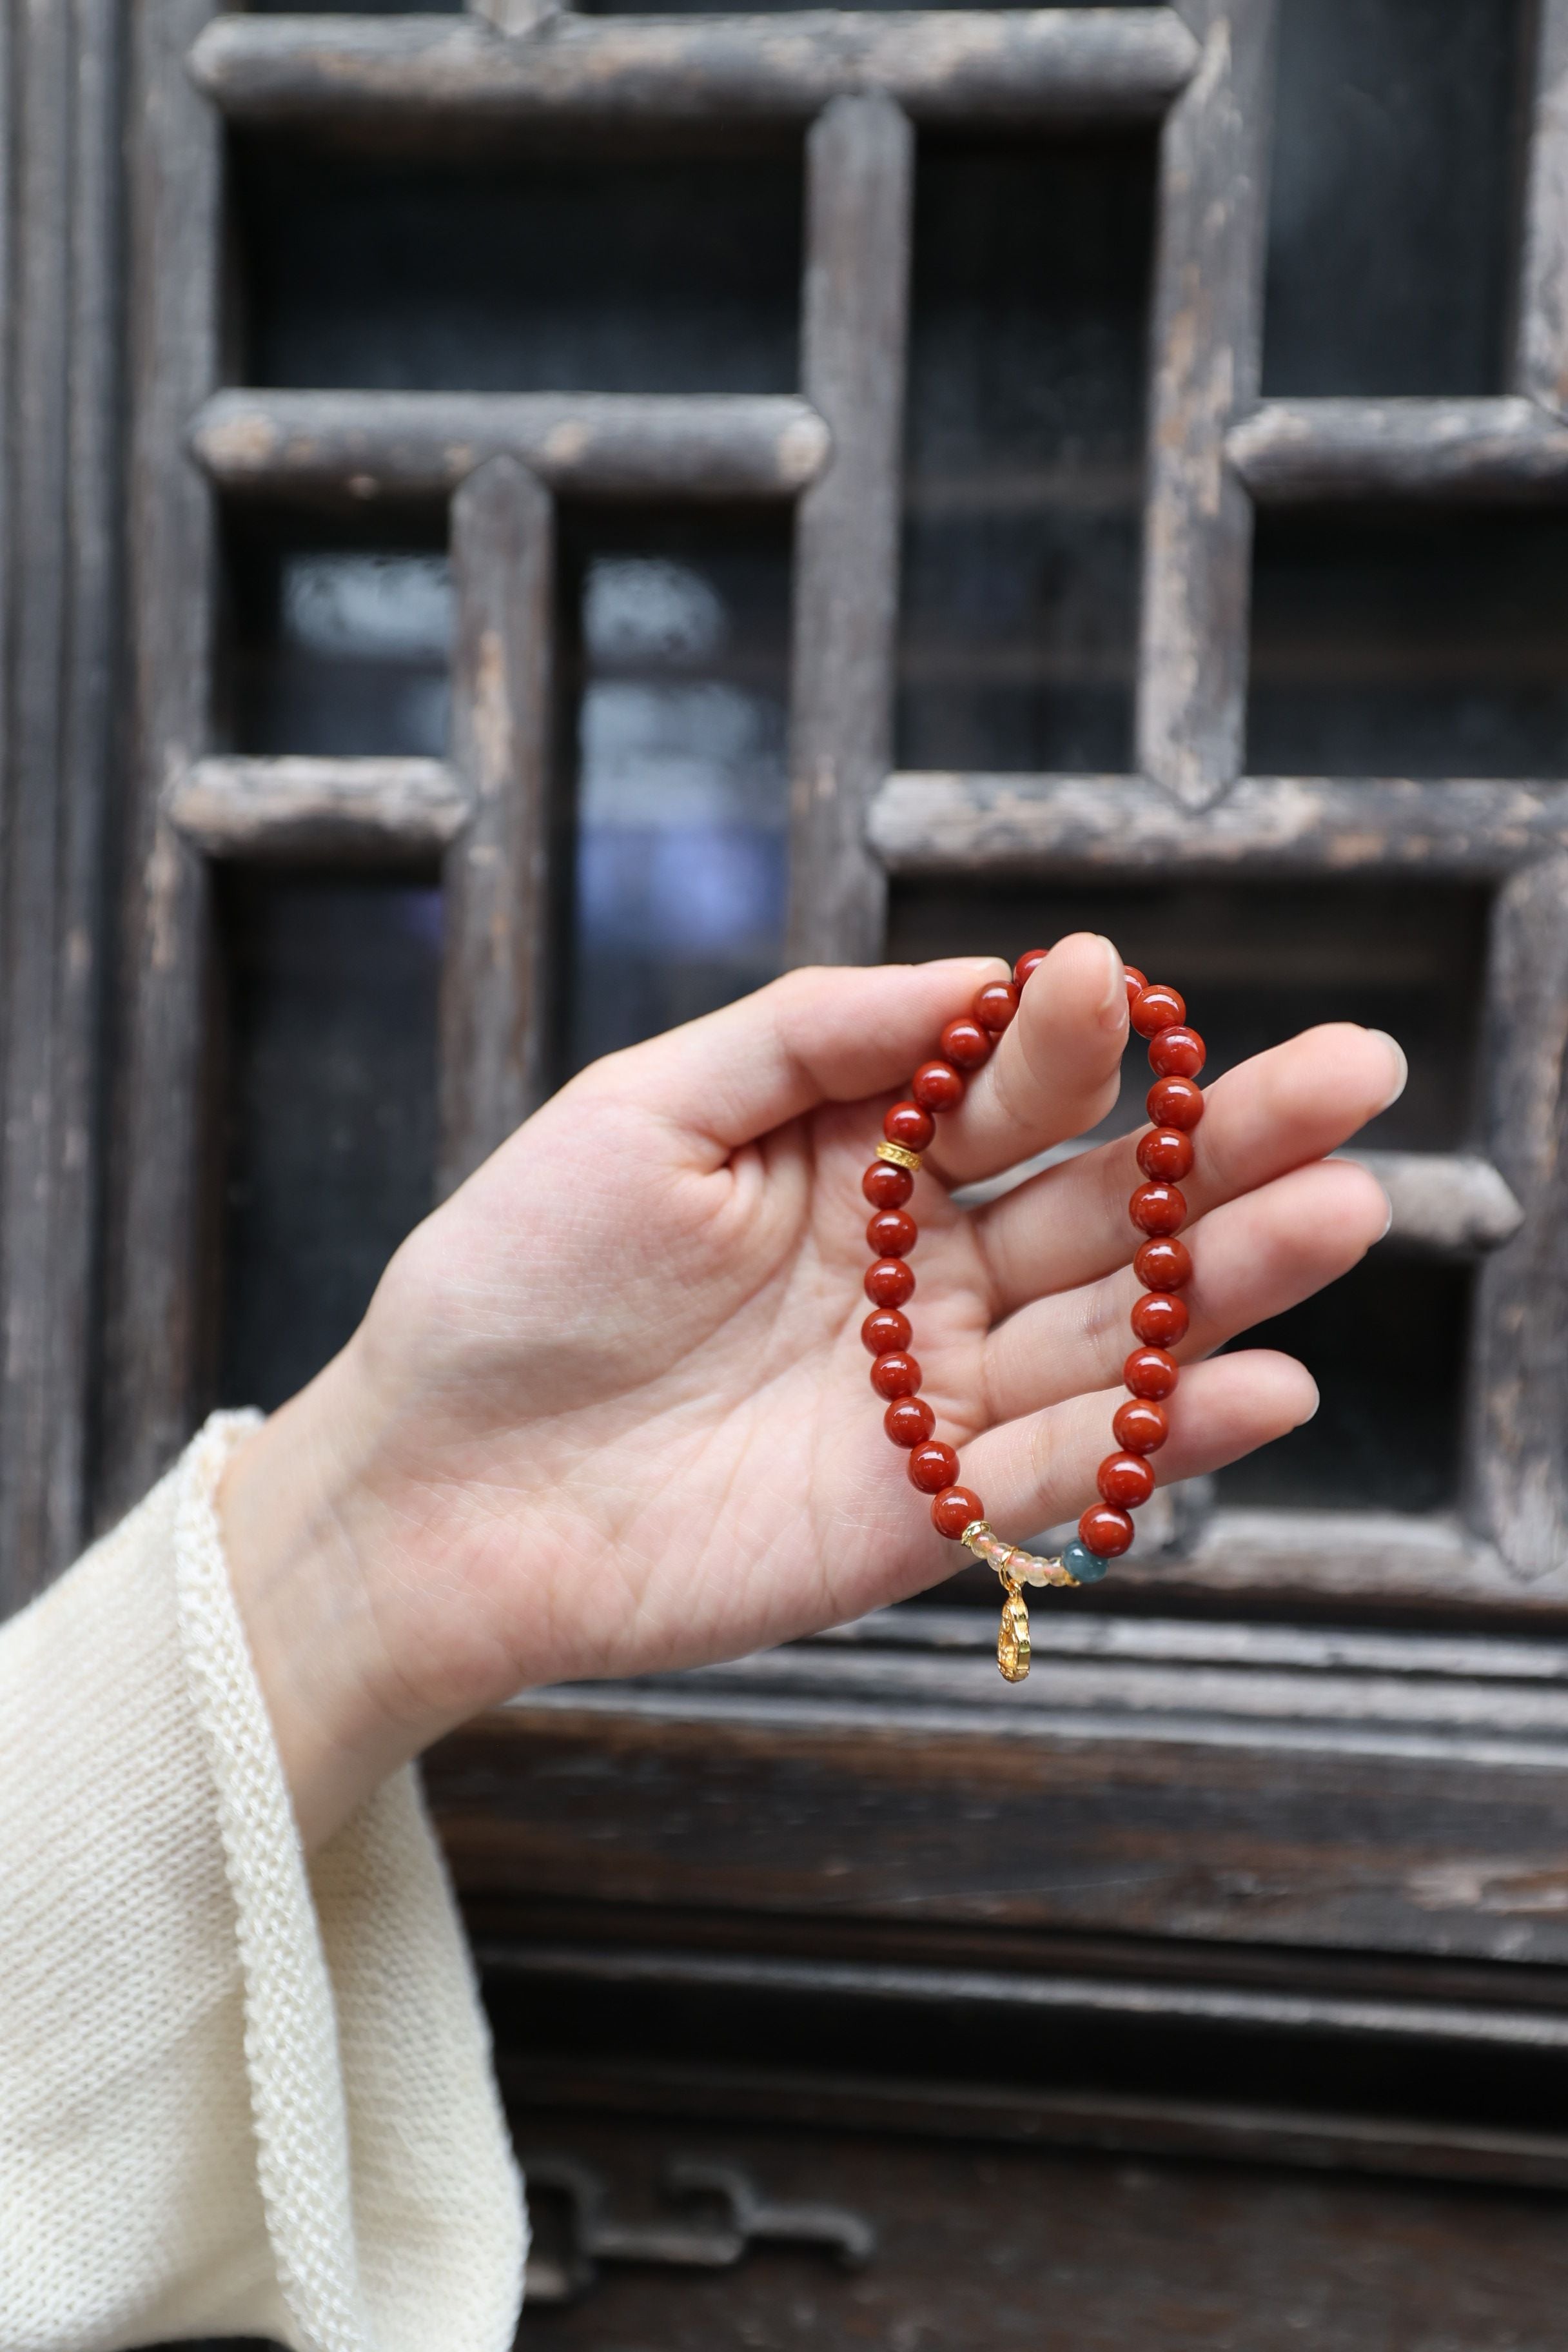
x=1165, y=1155
x=895, y=1376
x=1175, y=1102
x=1125, y=1479
x=1026, y=963
x=1160, y=1319
x=889, y=1282
x=885, y=1332
x=1164, y=1264
x=1140, y=1425
x=1149, y=1372
x=1176, y=1052
x=892, y=1233
x=906, y=1124
x=1105, y=1530
x=886, y=1185
x=965, y=1044
x=909, y=1420
x=1137, y=982
x=1156, y=1008
x=1158, y=1209
x=937, y=1085
x=933, y=1466
x=994, y=1005
x=955, y=1508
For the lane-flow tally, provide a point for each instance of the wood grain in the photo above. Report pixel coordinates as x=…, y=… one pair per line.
x=1311, y=452
x=1541, y=347
x=859, y=188
x=354, y=447
x=984, y=64
x=495, y=970
x=315, y=809
x=1207, y=329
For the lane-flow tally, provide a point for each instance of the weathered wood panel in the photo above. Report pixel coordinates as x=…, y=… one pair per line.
x=1310, y=452
x=350, y=448
x=984, y=64
x=860, y=187
x=154, y=1239
x=1541, y=350
x=1208, y=290
x=1015, y=824
x=495, y=974
x=314, y=810
x=1520, y=1363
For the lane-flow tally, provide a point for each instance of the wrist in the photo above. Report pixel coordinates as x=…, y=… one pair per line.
x=291, y=1505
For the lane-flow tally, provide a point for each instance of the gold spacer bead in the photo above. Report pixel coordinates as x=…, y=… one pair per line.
x=899, y=1157
x=975, y=1528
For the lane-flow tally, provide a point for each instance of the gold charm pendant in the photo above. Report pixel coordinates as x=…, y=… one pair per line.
x=1013, y=1641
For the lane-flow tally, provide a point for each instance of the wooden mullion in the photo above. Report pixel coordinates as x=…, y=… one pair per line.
x=308, y=809
x=152, y=1339
x=1541, y=343
x=1207, y=337
x=860, y=192
x=1310, y=452
x=495, y=978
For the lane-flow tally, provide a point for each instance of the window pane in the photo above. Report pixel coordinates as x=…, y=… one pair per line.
x=337, y=650
x=1392, y=196
x=1023, y=454
x=1395, y=641
x=329, y=1125
x=677, y=671
x=589, y=274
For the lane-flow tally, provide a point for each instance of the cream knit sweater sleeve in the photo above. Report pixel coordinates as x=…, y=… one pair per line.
x=239, y=2093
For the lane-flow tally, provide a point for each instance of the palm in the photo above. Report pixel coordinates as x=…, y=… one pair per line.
x=633, y=1422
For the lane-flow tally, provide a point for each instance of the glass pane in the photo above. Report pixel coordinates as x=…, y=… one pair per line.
x=1392, y=196
x=659, y=273
x=336, y=650
x=1256, y=964
x=1397, y=642
x=1023, y=455
x=678, y=652
x=329, y=1111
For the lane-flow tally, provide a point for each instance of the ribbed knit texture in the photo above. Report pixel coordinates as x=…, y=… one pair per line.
x=239, y=2093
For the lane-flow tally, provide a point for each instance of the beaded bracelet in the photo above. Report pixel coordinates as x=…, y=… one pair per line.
x=1162, y=1262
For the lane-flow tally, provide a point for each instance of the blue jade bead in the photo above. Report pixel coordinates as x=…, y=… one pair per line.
x=1084, y=1567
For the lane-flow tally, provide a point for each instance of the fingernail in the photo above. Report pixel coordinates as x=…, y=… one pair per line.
x=1113, y=1004
x=1398, y=1051
x=1317, y=1401
x=1388, y=1220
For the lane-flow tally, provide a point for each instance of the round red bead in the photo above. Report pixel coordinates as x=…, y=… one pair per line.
x=1177, y=1052
x=1125, y=1479
x=1149, y=1372
x=1026, y=963
x=895, y=1376
x=955, y=1508
x=994, y=1005
x=1156, y=1209
x=886, y=1186
x=1105, y=1531
x=910, y=1422
x=906, y=1124
x=892, y=1233
x=937, y=1085
x=889, y=1282
x=1165, y=1154
x=1160, y=1320
x=1140, y=1425
x=933, y=1466
x=1163, y=1264
x=1157, y=1008
x=965, y=1044
x=1175, y=1102
x=885, y=1332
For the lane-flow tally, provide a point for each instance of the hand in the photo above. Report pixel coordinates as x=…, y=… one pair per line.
x=609, y=1412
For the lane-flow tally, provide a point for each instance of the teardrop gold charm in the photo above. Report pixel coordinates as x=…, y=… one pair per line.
x=1013, y=1641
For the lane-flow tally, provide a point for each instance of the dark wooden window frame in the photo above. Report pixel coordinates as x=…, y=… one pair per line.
x=858, y=86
